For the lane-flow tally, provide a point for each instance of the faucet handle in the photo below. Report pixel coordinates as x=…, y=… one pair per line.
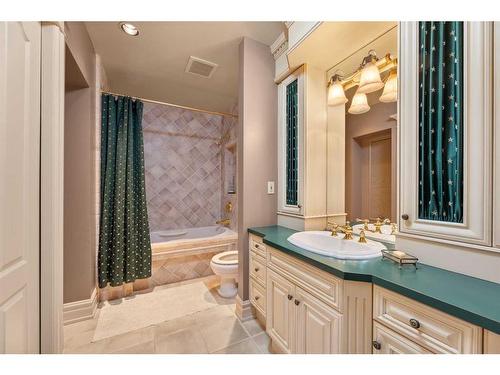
x=364, y=221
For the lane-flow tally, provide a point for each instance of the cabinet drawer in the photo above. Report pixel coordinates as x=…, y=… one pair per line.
x=258, y=296
x=255, y=244
x=318, y=283
x=386, y=341
x=258, y=267
x=424, y=325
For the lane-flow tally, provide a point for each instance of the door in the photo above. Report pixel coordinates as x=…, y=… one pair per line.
x=318, y=325
x=280, y=319
x=19, y=186
x=374, y=175
x=386, y=341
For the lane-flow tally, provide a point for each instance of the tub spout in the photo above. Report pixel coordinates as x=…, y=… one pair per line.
x=225, y=222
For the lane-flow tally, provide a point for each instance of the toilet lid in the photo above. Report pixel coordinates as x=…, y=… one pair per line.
x=226, y=257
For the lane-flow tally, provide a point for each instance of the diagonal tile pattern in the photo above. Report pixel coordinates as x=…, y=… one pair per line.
x=182, y=157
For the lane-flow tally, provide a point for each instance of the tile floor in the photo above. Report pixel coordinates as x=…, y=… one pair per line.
x=216, y=330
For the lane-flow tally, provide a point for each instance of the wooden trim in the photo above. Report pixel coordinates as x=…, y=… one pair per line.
x=52, y=189
x=80, y=310
x=491, y=342
x=243, y=309
x=357, y=318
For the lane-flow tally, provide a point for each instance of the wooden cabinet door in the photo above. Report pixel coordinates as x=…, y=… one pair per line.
x=475, y=226
x=280, y=317
x=318, y=325
x=386, y=341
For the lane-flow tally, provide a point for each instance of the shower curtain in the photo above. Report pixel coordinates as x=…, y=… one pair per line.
x=124, y=243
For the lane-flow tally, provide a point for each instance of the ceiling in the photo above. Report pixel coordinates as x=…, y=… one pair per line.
x=152, y=64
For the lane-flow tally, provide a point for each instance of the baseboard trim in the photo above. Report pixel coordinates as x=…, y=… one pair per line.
x=78, y=311
x=243, y=309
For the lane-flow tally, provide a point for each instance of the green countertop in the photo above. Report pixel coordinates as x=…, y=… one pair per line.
x=474, y=300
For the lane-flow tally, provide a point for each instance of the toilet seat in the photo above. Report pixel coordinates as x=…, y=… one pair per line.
x=226, y=258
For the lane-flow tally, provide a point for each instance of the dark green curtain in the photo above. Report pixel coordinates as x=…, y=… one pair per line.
x=124, y=243
x=441, y=121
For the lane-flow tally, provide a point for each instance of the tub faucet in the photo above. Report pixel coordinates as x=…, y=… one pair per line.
x=224, y=222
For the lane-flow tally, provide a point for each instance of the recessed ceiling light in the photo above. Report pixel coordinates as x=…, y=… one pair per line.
x=129, y=29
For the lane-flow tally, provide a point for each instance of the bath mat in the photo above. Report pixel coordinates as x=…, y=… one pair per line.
x=143, y=310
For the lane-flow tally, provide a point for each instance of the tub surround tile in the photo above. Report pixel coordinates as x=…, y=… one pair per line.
x=182, y=167
x=468, y=298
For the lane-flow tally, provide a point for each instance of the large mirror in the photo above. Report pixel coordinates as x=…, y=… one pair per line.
x=362, y=138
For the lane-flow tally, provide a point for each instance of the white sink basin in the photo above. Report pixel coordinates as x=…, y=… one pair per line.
x=385, y=236
x=322, y=242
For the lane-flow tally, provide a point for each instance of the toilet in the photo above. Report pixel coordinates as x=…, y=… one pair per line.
x=225, y=265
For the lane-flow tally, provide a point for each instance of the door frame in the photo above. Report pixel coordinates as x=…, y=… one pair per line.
x=52, y=187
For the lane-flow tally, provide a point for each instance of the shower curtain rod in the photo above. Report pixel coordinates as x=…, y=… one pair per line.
x=172, y=105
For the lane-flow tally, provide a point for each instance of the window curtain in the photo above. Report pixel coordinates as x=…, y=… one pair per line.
x=124, y=242
x=441, y=121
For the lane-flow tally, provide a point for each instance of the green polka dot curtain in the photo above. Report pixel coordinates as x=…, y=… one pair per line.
x=124, y=243
x=441, y=121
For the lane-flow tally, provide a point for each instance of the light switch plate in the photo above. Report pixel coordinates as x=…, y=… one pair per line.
x=270, y=187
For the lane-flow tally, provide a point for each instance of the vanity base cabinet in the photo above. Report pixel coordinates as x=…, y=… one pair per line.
x=425, y=326
x=280, y=317
x=318, y=325
x=386, y=341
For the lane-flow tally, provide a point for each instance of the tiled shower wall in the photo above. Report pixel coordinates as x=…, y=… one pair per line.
x=183, y=166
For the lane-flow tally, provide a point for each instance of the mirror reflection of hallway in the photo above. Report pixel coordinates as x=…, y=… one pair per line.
x=370, y=164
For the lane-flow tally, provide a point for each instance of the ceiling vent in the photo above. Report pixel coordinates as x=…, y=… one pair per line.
x=200, y=67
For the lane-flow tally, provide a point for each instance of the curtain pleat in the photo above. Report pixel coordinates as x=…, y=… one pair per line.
x=441, y=121
x=124, y=242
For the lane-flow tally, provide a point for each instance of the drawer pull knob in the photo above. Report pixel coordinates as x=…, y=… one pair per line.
x=256, y=269
x=415, y=323
x=290, y=297
x=297, y=302
x=257, y=245
x=376, y=345
x=257, y=298
x=405, y=217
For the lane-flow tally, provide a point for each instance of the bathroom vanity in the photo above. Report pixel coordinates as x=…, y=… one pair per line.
x=312, y=303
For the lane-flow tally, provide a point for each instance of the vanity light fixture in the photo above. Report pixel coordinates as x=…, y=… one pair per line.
x=370, y=80
x=336, y=94
x=129, y=28
x=359, y=104
x=390, y=93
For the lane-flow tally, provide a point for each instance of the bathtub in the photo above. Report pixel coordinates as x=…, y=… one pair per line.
x=184, y=254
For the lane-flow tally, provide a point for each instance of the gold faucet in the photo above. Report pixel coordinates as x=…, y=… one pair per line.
x=225, y=222
x=334, y=229
x=347, y=230
x=362, y=238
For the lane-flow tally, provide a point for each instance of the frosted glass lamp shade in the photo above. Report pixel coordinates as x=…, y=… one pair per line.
x=336, y=94
x=370, y=80
x=359, y=104
x=390, y=93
